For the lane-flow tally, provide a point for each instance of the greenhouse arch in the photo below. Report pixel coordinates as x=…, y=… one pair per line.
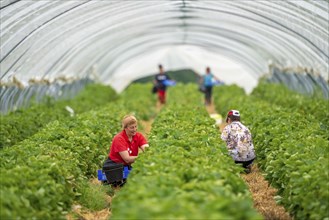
x=117, y=42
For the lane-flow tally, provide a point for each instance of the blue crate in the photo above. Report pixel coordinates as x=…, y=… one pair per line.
x=126, y=172
x=102, y=177
x=169, y=82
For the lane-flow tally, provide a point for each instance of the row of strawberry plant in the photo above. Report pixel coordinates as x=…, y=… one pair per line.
x=40, y=176
x=23, y=123
x=138, y=96
x=292, y=148
x=281, y=95
x=186, y=173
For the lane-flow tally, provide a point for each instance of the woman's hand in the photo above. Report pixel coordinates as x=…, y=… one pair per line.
x=143, y=147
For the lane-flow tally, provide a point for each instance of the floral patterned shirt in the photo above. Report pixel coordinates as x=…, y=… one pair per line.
x=239, y=141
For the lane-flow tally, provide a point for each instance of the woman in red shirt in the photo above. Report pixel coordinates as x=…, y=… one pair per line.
x=124, y=151
x=126, y=144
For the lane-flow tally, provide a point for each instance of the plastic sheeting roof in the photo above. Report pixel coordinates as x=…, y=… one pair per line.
x=120, y=41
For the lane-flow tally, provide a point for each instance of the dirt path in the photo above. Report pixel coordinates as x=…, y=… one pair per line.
x=262, y=193
x=146, y=125
x=263, y=196
x=80, y=213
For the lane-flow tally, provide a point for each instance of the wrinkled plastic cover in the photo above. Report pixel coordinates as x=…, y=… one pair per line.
x=116, y=42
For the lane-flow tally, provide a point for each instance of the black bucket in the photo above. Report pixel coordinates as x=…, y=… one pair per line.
x=113, y=171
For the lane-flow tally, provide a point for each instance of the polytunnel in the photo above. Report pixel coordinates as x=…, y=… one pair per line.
x=79, y=110
x=54, y=47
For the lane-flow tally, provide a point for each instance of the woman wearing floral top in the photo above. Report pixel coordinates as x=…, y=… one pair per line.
x=238, y=139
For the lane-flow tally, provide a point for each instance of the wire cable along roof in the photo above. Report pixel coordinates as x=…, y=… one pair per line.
x=120, y=41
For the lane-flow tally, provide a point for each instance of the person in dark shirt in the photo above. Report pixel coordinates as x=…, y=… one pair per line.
x=160, y=83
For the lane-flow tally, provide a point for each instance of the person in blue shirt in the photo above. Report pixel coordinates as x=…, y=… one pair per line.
x=207, y=81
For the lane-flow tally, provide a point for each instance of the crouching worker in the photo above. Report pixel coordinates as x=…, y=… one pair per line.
x=238, y=140
x=124, y=151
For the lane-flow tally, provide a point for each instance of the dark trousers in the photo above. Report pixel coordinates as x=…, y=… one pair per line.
x=207, y=94
x=245, y=164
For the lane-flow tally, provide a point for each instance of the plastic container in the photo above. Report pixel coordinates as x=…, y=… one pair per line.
x=169, y=82
x=126, y=172
x=113, y=174
x=101, y=176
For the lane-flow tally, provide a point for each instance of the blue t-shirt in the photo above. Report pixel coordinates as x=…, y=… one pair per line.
x=207, y=79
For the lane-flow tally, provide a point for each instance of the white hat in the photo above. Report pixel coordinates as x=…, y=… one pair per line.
x=233, y=112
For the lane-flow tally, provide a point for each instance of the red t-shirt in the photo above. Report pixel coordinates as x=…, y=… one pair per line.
x=121, y=143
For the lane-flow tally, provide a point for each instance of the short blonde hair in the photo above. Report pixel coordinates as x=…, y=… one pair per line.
x=128, y=120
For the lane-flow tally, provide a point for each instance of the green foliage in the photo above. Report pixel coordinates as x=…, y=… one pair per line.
x=53, y=162
x=23, y=123
x=225, y=96
x=139, y=98
x=280, y=95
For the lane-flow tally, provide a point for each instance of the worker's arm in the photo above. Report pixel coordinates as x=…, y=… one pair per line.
x=224, y=134
x=128, y=159
x=143, y=147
